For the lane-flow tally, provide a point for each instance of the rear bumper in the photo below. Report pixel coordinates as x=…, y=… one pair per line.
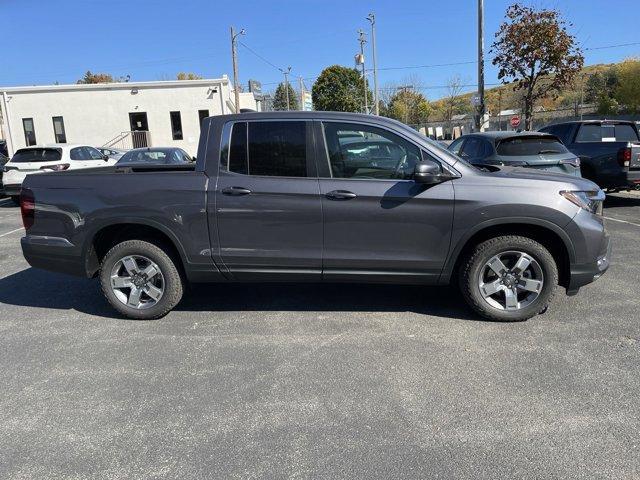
x=12, y=190
x=584, y=274
x=634, y=177
x=54, y=254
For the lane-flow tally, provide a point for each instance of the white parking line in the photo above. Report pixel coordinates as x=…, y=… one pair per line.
x=622, y=221
x=12, y=231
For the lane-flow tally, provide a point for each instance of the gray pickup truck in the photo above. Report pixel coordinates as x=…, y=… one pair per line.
x=318, y=197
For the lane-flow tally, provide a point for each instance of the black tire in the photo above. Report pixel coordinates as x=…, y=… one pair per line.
x=173, y=283
x=476, y=260
x=15, y=199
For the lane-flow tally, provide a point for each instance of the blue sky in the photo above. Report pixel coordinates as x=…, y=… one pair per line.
x=45, y=41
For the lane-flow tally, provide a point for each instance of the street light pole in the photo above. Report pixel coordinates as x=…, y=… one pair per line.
x=362, y=41
x=481, y=106
x=234, y=58
x=372, y=18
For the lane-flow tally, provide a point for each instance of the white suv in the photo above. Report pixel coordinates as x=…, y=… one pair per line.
x=49, y=158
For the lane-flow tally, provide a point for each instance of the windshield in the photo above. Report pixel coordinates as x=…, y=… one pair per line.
x=37, y=155
x=523, y=146
x=156, y=157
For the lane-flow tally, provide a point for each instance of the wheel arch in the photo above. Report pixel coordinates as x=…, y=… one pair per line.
x=550, y=235
x=107, y=235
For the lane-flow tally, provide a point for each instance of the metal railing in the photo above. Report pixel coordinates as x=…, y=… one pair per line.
x=129, y=140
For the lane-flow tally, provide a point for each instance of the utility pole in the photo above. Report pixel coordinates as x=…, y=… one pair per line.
x=372, y=18
x=480, y=64
x=286, y=84
x=362, y=41
x=234, y=57
x=301, y=93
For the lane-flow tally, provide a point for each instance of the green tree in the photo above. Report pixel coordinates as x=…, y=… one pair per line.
x=340, y=89
x=628, y=89
x=408, y=106
x=280, y=98
x=188, y=76
x=534, y=50
x=90, y=77
x=600, y=89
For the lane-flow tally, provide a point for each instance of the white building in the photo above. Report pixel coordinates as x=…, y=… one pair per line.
x=122, y=115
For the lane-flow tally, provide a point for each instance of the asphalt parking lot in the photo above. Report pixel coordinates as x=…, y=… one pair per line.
x=307, y=381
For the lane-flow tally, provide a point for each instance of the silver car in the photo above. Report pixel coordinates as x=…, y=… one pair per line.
x=537, y=150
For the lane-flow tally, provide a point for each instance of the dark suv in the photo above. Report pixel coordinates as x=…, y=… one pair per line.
x=318, y=197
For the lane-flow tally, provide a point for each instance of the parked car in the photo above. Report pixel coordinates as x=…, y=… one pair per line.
x=51, y=158
x=517, y=149
x=3, y=160
x=156, y=156
x=278, y=196
x=4, y=152
x=609, y=150
x=115, y=153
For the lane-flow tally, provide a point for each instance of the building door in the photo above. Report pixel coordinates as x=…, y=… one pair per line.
x=139, y=129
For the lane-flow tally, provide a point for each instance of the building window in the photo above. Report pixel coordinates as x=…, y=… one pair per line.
x=176, y=125
x=58, y=130
x=29, y=131
x=202, y=114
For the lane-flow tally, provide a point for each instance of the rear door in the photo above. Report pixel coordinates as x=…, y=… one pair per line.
x=379, y=225
x=267, y=201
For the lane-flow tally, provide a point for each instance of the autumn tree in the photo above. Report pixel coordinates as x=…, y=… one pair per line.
x=280, y=97
x=534, y=50
x=628, y=89
x=408, y=106
x=340, y=89
x=90, y=77
x=188, y=76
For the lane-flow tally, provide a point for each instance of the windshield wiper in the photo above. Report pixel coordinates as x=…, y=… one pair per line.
x=549, y=151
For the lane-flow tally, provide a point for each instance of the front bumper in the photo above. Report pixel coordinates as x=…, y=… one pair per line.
x=584, y=274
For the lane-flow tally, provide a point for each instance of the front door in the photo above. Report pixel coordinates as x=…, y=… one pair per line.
x=379, y=224
x=269, y=213
x=139, y=129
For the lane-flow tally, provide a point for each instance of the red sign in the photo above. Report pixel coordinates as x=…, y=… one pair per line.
x=515, y=121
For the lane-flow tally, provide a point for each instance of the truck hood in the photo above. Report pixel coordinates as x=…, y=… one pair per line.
x=519, y=173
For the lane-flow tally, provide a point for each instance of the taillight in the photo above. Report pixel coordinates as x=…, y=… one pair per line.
x=27, y=207
x=56, y=168
x=624, y=156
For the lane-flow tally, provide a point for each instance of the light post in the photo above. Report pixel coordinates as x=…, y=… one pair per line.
x=234, y=58
x=362, y=41
x=372, y=18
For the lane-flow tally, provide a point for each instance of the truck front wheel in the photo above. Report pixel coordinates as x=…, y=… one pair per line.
x=140, y=280
x=508, y=278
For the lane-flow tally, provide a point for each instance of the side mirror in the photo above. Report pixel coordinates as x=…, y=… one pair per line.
x=105, y=158
x=428, y=172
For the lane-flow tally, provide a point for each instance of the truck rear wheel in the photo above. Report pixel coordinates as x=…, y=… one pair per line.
x=508, y=278
x=140, y=280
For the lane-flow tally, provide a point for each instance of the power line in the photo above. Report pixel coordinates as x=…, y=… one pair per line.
x=260, y=56
x=613, y=46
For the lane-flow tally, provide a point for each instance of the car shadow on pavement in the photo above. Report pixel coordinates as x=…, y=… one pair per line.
x=613, y=201
x=41, y=289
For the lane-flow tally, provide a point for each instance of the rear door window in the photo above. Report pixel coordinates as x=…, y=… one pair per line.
x=473, y=148
x=37, y=155
x=522, y=146
x=270, y=148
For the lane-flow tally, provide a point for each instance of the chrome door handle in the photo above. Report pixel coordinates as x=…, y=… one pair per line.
x=236, y=191
x=340, y=195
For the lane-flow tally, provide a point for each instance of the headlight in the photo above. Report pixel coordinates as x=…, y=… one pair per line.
x=591, y=201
